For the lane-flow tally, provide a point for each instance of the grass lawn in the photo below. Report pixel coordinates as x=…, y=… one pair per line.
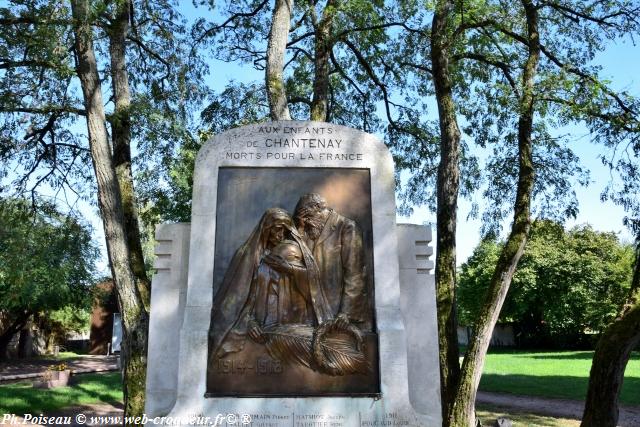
x=22, y=398
x=559, y=374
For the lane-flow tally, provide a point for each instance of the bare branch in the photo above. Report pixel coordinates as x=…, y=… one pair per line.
x=506, y=70
x=416, y=66
x=378, y=27
x=569, y=68
x=299, y=50
x=580, y=73
x=43, y=110
x=232, y=18
x=6, y=63
x=576, y=15
x=300, y=38
x=469, y=26
x=621, y=120
x=341, y=71
x=383, y=88
x=142, y=45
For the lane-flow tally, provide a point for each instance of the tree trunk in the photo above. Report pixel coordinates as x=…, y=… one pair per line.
x=24, y=343
x=6, y=337
x=323, y=46
x=276, y=49
x=134, y=317
x=463, y=411
x=447, y=190
x=610, y=360
x=121, y=134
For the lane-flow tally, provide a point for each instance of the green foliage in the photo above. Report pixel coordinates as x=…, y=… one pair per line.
x=165, y=192
x=46, y=261
x=568, y=284
x=41, y=106
x=57, y=324
x=38, y=103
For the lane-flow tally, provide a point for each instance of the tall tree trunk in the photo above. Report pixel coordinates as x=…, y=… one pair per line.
x=463, y=411
x=121, y=134
x=447, y=205
x=24, y=343
x=6, y=336
x=323, y=46
x=134, y=317
x=276, y=49
x=610, y=359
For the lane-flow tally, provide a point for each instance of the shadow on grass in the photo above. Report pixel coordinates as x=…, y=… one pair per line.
x=94, y=388
x=570, y=355
x=554, y=386
x=100, y=387
x=489, y=413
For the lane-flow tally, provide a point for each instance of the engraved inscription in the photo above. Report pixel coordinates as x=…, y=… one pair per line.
x=269, y=420
x=388, y=419
x=319, y=420
x=299, y=143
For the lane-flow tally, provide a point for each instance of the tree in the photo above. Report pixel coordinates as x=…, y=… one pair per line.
x=152, y=89
x=135, y=318
x=610, y=358
x=327, y=72
x=46, y=264
x=442, y=29
x=276, y=49
x=56, y=325
x=617, y=127
x=117, y=30
x=526, y=69
x=463, y=410
x=568, y=284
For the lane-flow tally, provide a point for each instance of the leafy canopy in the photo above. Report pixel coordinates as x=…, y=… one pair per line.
x=46, y=259
x=568, y=283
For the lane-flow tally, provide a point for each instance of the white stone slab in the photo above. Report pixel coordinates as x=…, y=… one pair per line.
x=418, y=306
x=168, y=296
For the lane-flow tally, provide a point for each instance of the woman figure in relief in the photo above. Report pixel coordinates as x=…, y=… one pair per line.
x=272, y=279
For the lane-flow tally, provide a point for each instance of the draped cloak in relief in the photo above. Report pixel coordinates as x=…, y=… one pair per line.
x=235, y=303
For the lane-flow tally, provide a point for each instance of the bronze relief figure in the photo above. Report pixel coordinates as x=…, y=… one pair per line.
x=294, y=292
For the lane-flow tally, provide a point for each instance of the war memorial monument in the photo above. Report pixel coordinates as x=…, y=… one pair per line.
x=293, y=298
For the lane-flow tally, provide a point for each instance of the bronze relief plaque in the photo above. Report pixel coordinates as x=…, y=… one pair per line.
x=293, y=304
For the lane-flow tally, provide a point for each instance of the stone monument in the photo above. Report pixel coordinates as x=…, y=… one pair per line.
x=293, y=298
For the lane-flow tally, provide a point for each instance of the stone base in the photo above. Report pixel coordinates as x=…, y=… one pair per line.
x=54, y=379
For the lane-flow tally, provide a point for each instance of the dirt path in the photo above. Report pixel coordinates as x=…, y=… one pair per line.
x=561, y=408
x=18, y=369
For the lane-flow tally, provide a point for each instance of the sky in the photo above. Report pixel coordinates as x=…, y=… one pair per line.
x=621, y=65
x=620, y=62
